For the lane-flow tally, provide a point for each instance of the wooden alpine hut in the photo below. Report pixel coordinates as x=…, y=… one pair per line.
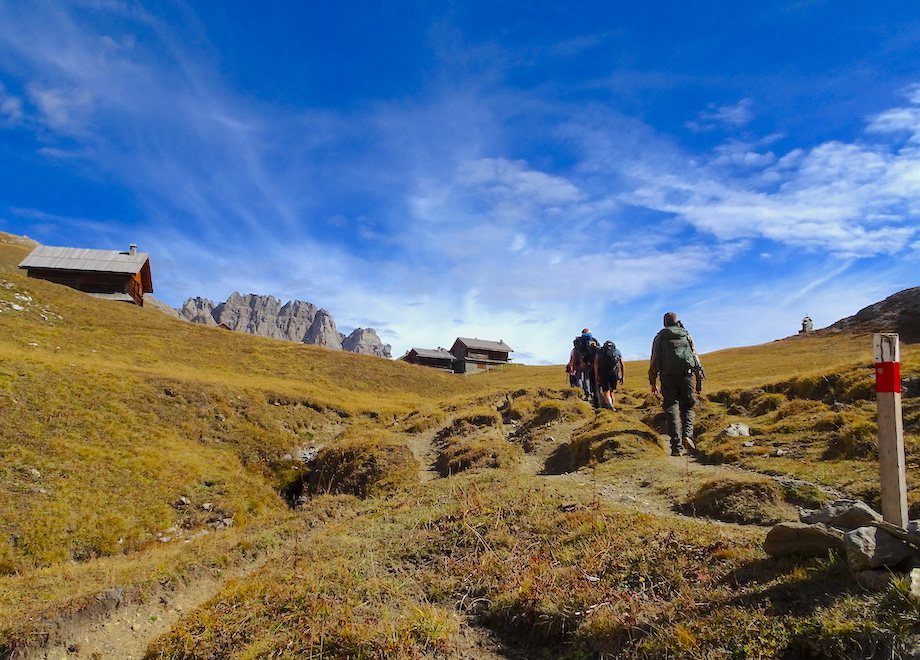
x=100, y=273
x=479, y=354
x=427, y=357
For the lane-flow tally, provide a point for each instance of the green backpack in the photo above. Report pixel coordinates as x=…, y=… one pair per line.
x=677, y=356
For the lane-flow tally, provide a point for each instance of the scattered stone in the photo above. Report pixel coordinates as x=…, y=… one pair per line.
x=207, y=506
x=845, y=514
x=309, y=454
x=220, y=523
x=792, y=538
x=749, y=443
x=871, y=547
x=779, y=452
x=735, y=430
x=182, y=501
x=913, y=584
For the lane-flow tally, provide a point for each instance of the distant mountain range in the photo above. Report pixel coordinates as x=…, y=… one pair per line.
x=296, y=320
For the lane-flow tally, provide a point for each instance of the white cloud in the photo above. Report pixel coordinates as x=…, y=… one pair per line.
x=504, y=180
x=11, y=112
x=424, y=214
x=64, y=111
x=726, y=116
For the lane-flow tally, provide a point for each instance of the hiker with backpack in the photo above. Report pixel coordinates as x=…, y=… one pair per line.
x=608, y=373
x=675, y=363
x=582, y=360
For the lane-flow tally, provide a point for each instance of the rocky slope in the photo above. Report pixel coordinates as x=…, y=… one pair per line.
x=295, y=320
x=899, y=313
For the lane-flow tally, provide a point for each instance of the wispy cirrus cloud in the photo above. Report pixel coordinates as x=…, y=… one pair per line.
x=736, y=115
x=433, y=215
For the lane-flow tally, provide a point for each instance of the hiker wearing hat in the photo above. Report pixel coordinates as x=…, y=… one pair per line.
x=675, y=363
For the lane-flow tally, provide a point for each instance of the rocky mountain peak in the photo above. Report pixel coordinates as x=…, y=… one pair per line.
x=295, y=320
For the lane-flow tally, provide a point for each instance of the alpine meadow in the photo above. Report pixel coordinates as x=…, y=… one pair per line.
x=175, y=491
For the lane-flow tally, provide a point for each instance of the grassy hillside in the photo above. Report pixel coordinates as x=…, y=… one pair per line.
x=140, y=454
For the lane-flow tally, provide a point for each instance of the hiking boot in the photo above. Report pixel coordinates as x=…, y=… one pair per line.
x=676, y=450
x=690, y=444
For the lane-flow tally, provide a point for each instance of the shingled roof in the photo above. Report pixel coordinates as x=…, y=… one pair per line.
x=100, y=261
x=485, y=344
x=439, y=354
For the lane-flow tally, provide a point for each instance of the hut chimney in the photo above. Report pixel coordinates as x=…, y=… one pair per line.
x=133, y=249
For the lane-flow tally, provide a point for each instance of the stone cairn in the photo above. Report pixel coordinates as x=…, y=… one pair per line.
x=876, y=551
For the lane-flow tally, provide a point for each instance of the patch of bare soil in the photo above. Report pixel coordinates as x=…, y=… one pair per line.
x=422, y=446
x=121, y=625
x=476, y=642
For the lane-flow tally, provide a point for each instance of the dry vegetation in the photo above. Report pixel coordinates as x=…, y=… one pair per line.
x=138, y=451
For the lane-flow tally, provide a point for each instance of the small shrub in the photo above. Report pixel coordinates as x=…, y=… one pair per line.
x=862, y=390
x=746, y=500
x=855, y=440
x=471, y=422
x=807, y=496
x=363, y=466
x=433, y=627
x=766, y=403
x=552, y=411
x=832, y=422
x=486, y=450
x=799, y=407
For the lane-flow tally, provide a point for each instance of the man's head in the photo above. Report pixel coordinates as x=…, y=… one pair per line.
x=670, y=319
x=585, y=331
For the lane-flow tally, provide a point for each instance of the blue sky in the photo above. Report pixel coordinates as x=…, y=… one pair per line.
x=510, y=171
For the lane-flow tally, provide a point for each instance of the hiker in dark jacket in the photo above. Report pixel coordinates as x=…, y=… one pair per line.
x=583, y=360
x=608, y=373
x=675, y=363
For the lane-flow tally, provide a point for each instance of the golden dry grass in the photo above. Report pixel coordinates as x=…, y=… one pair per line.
x=121, y=426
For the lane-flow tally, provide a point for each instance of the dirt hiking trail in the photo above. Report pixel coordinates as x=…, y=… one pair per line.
x=123, y=628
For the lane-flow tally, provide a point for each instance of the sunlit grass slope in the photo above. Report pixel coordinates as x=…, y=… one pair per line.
x=109, y=413
x=124, y=433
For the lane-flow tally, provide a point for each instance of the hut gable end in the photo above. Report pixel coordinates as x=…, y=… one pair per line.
x=479, y=354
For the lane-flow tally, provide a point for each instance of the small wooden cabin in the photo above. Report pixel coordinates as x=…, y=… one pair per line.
x=438, y=359
x=479, y=354
x=101, y=273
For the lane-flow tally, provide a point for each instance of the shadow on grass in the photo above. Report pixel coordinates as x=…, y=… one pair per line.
x=824, y=583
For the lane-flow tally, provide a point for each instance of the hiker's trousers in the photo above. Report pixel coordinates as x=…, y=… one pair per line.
x=679, y=396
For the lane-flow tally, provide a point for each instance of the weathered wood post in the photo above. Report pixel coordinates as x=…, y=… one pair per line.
x=890, y=428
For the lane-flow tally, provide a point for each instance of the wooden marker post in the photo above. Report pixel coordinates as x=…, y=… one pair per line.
x=890, y=428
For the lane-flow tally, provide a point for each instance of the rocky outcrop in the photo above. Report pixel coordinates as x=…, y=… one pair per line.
x=198, y=310
x=897, y=313
x=876, y=551
x=365, y=340
x=296, y=320
x=322, y=332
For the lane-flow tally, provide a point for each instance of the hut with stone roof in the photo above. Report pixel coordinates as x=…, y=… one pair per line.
x=101, y=273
